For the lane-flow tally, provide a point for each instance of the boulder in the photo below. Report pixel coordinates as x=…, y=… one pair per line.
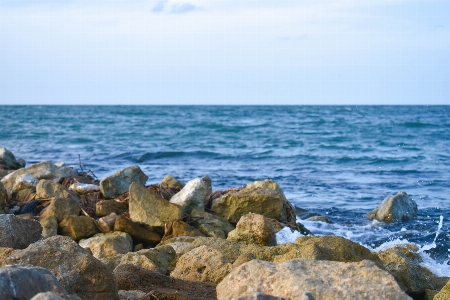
x=396, y=208
x=76, y=270
x=171, y=182
x=24, y=182
x=242, y=259
x=180, y=228
x=47, y=189
x=2, y=197
x=202, y=264
x=131, y=295
x=106, y=224
x=193, y=194
x=18, y=233
x=131, y=277
x=112, y=262
x=105, y=207
x=211, y=231
x=78, y=227
x=84, y=188
x=140, y=261
x=210, y=223
x=323, y=279
x=253, y=229
x=444, y=293
x=8, y=160
x=49, y=226
x=42, y=170
x=162, y=256
x=119, y=183
x=22, y=282
x=180, y=248
x=139, y=233
x=150, y=209
x=108, y=244
x=61, y=208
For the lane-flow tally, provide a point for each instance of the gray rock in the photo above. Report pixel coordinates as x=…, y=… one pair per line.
x=193, y=194
x=253, y=229
x=8, y=160
x=209, y=223
x=131, y=295
x=323, y=279
x=61, y=208
x=108, y=244
x=18, y=233
x=169, y=181
x=119, y=183
x=396, y=208
x=47, y=189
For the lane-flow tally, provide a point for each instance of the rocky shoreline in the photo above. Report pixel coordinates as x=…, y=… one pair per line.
x=67, y=235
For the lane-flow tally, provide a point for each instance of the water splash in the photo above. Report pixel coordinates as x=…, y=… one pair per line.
x=433, y=244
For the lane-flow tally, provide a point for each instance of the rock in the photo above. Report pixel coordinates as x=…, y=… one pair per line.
x=47, y=189
x=319, y=219
x=211, y=223
x=22, y=282
x=253, y=229
x=131, y=277
x=396, y=208
x=84, y=188
x=106, y=224
x=180, y=248
x=137, y=232
x=171, y=182
x=262, y=296
x=211, y=231
x=444, y=293
x=323, y=279
x=150, y=209
x=180, y=228
x=105, y=207
x=139, y=260
x=78, y=227
x=193, y=194
x=24, y=182
x=3, y=173
x=161, y=256
x=2, y=197
x=49, y=226
x=18, y=233
x=112, y=262
x=8, y=160
x=43, y=170
x=202, y=264
x=61, y=208
x=47, y=296
x=242, y=259
x=131, y=295
x=117, y=184
x=108, y=244
x=76, y=270
x=138, y=247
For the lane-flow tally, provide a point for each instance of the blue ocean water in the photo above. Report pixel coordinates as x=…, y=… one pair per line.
x=338, y=161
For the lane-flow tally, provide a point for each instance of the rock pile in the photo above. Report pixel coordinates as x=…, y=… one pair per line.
x=66, y=235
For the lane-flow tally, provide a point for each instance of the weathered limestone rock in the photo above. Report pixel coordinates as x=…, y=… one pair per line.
x=242, y=259
x=49, y=226
x=76, y=270
x=61, y=208
x=108, y=244
x=84, y=188
x=3, y=173
x=162, y=256
x=180, y=228
x=202, y=264
x=106, y=224
x=18, y=233
x=193, y=194
x=253, y=229
x=8, y=160
x=42, y=170
x=148, y=208
x=180, y=248
x=22, y=282
x=211, y=225
x=112, y=262
x=78, y=227
x=105, y=207
x=47, y=189
x=396, y=208
x=2, y=197
x=119, y=183
x=171, y=182
x=262, y=296
x=323, y=279
x=47, y=296
x=444, y=294
x=137, y=232
x=24, y=182
x=131, y=295
x=139, y=260
x=211, y=231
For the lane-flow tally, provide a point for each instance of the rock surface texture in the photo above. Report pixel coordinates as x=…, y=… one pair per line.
x=18, y=233
x=114, y=185
x=193, y=194
x=108, y=244
x=8, y=160
x=253, y=229
x=396, y=208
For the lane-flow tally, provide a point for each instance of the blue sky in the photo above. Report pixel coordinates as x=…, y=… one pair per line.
x=225, y=52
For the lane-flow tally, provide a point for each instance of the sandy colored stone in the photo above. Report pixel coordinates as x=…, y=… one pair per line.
x=119, y=183
x=106, y=224
x=139, y=260
x=444, y=293
x=180, y=228
x=211, y=223
x=253, y=229
x=139, y=233
x=396, y=208
x=18, y=233
x=78, y=227
x=61, y=208
x=49, y=226
x=106, y=207
x=193, y=194
x=171, y=182
x=47, y=189
x=108, y=244
x=162, y=256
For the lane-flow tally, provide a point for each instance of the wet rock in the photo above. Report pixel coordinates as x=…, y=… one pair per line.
x=18, y=233
x=106, y=224
x=150, y=209
x=171, y=182
x=323, y=279
x=119, y=183
x=108, y=244
x=78, y=227
x=444, y=293
x=193, y=194
x=253, y=229
x=137, y=232
x=396, y=208
x=84, y=188
x=131, y=295
x=47, y=189
x=61, y=208
x=76, y=270
x=105, y=207
x=8, y=160
x=209, y=224
x=22, y=282
x=202, y=264
x=49, y=226
x=43, y=170
x=24, y=182
x=180, y=228
x=130, y=277
x=2, y=197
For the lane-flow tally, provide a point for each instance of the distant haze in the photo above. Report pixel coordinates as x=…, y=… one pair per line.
x=225, y=52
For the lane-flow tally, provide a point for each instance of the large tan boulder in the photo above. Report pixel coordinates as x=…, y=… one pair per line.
x=323, y=279
x=150, y=209
x=76, y=270
x=202, y=264
x=162, y=256
x=139, y=233
x=105, y=207
x=119, y=183
x=47, y=189
x=396, y=208
x=61, y=208
x=444, y=293
x=18, y=233
x=253, y=229
x=193, y=194
x=108, y=244
x=78, y=227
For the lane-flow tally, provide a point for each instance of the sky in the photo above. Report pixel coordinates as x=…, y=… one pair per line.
x=295, y=52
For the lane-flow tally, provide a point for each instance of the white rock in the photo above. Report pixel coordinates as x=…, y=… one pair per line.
x=84, y=188
x=193, y=194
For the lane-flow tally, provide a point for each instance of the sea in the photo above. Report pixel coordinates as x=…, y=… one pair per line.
x=335, y=161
